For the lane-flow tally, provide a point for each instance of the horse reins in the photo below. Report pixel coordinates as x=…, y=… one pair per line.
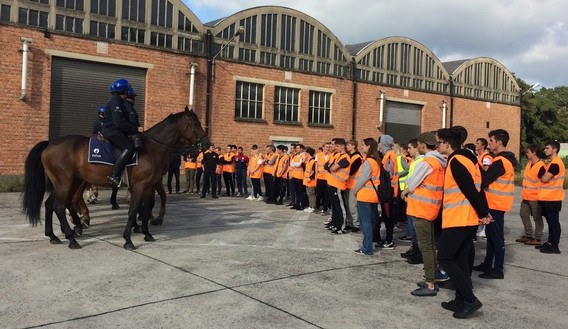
x=175, y=148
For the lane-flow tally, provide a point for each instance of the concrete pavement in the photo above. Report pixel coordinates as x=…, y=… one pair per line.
x=233, y=263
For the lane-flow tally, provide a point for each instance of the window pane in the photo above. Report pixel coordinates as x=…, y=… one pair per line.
x=112, y=8
x=125, y=4
x=5, y=13
x=33, y=17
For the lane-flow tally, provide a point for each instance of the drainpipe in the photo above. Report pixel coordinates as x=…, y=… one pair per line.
x=191, y=84
x=444, y=109
x=381, y=109
x=208, y=42
x=26, y=42
x=354, y=122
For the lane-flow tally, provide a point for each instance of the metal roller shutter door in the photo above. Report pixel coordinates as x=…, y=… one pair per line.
x=403, y=121
x=79, y=88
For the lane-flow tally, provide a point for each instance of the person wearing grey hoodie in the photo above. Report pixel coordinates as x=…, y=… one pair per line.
x=386, y=144
x=424, y=196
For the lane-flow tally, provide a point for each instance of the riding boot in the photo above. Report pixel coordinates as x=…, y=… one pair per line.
x=119, y=164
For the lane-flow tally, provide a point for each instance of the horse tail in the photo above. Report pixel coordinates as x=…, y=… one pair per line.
x=34, y=183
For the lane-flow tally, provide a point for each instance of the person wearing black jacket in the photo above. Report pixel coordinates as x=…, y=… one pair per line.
x=210, y=162
x=173, y=170
x=456, y=251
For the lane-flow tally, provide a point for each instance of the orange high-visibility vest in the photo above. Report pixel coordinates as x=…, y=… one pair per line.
x=368, y=193
x=282, y=169
x=219, y=169
x=190, y=165
x=331, y=160
x=531, y=182
x=321, y=173
x=390, y=155
x=199, y=159
x=255, y=166
x=230, y=168
x=270, y=168
x=338, y=179
x=297, y=172
x=426, y=200
x=351, y=180
x=310, y=169
x=483, y=156
x=553, y=190
x=458, y=212
x=501, y=193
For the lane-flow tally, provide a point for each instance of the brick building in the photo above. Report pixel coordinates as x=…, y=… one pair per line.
x=263, y=75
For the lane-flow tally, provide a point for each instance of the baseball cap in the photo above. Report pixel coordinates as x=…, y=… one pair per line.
x=427, y=138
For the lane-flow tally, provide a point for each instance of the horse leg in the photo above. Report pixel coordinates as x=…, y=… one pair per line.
x=162, y=193
x=82, y=206
x=132, y=213
x=53, y=239
x=145, y=210
x=65, y=228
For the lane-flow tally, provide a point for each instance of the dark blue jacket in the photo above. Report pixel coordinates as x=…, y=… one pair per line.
x=132, y=115
x=115, y=118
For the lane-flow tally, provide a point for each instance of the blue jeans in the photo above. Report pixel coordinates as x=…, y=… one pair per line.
x=410, y=228
x=241, y=175
x=368, y=214
x=495, y=241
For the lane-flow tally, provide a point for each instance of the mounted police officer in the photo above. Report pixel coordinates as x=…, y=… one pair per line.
x=133, y=118
x=98, y=124
x=117, y=126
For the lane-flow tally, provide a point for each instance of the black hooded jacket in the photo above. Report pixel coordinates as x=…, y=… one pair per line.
x=465, y=182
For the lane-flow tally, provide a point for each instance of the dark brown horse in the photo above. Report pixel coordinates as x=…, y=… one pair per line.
x=64, y=162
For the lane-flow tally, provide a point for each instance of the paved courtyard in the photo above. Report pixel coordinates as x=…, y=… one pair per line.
x=233, y=263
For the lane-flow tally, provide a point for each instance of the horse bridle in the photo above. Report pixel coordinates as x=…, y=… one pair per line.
x=182, y=150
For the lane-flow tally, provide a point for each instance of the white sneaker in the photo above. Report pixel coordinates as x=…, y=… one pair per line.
x=250, y=197
x=309, y=209
x=260, y=198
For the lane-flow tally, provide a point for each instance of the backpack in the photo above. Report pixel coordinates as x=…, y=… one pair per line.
x=385, y=192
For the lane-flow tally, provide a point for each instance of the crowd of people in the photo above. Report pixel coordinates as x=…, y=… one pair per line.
x=446, y=192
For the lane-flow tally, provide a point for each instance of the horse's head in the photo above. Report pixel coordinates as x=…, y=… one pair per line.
x=192, y=137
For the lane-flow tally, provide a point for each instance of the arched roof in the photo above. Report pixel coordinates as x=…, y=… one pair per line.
x=282, y=37
x=400, y=62
x=484, y=78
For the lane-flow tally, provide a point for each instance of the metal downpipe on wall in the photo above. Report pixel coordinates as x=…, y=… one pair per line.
x=26, y=42
x=191, y=84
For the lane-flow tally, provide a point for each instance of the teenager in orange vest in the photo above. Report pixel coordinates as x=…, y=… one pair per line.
x=463, y=209
x=355, y=161
x=322, y=201
x=281, y=174
x=336, y=181
x=550, y=196
x=297, y=178
x=270, y=163
x=499, y=187
x=241, y=163
x=390, y=165
x=255, y=168
x=310, y=179
x=529, y=193
x=484, y=159
x=368, y=180
x=189, y=166
x=228, y=170
x=423, y=195
x=198, y=172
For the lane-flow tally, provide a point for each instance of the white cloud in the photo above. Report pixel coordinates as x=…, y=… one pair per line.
x=530, y=37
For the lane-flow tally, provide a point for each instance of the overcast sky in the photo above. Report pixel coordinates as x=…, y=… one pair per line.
x=529, y=37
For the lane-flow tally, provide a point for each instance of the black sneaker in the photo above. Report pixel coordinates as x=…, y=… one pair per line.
x=492, y=275
x=424, y=292
x=388, y=245
x=409, y=252
x=467, y=309
x=482, y=268
x=452, y=305
x=415, y=259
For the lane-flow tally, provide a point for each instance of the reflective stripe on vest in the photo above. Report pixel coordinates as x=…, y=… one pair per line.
x=230, y=168
x=368, y=193
x=282, y=166
x=297, y=172
x=270, y=168
x=553, y=189
x=390, y=155
x=320, y=171
x=199, y=159
x=255, y=168
x=425, y=201
x=190, y=165
x=401, y=179
x=458, y=212
x=308, y=172
x=350, y=184
x=338, y=178
x=500, y=193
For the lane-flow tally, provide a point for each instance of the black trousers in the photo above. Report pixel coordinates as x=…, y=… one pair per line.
x=256, y=187
x=209, y=180
x=281, y=188
x=322, y=199
x=300, y=197
x=270, y=187
x=338, y=212
x=456, y=253
x=173, y=171
x=229, y=183
x=198, y=174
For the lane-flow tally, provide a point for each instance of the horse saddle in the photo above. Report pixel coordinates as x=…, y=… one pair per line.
x=102, y=151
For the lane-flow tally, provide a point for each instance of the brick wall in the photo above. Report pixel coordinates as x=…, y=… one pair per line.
x=24, y=123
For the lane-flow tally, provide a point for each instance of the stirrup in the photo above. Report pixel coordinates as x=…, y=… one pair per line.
x=114, y=181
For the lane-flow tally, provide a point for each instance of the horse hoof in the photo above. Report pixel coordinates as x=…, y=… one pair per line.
x=78, y=230
x=85, y=224
x=137, y=230
x=74, y=245
x=157, y=221
x=149, y=238
x=129, y=246
x=55, y=240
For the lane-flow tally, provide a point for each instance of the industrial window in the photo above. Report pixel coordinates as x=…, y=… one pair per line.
x=338, y=54
x=405, y=57
x=340, y=70
x=249, y=100
x=70, y=4
x=5, y=13
x=267, y=58
x=378, y=57
x=68, y=24
x=286, y=104
x=268, y=30
x=134, y=10
x=103, y=30
x=306, y=65
x=104, y=7
x=190, y=45
x=306, y=38
x=249, y=35
x=41, y=1
x=162, y=13
x=288, y=33
x=323, y=68
x=32, y=17
x=324, y=45
x=227, y=32
x=418, y=60
x=184, y=24
x=161, y=40
x=247, y=55
x=287, y=62
x=320, y=108
x=133, y=35
x=392, y=56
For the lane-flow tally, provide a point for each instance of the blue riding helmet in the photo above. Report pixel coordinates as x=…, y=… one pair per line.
x=131, y=92
x=120, y=86
x=101, y=109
